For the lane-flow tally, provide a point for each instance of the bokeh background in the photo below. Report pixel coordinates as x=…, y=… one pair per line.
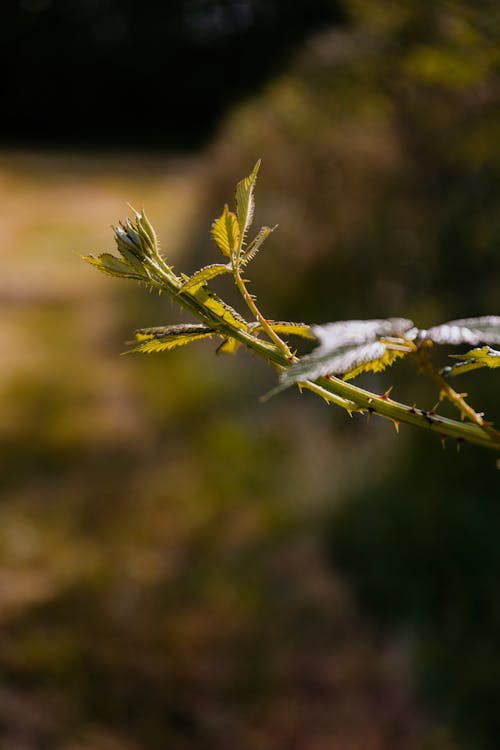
x=181, y=565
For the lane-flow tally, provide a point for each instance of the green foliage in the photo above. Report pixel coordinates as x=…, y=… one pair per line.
x=163, y=338
x=346, y=348
x=226, y=232
x=203, y=275
x=485, y=356
x=245, y=204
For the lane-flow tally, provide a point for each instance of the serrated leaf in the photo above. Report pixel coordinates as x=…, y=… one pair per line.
x=292, y=329
x=255, y=245
x=204, y=275
x=472, y=331
x=245, y=202
x=113, y=266
x=207, y=298
x=377, y=365
x=164, y=338
x=147, y=229
x=343, y=360
x=473, y=360
x=226, y=233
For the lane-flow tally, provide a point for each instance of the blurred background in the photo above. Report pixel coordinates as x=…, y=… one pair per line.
x=181, y=565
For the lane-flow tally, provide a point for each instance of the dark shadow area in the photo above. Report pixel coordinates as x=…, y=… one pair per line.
x=124, y=73
x=422, y=552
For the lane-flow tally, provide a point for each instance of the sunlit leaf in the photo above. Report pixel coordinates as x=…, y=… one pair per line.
x=350, y=347
x=204, y=275
x=147, y=229
x=344, y=359
x=255, y=245
x=211, y=301
x=228, y=346
x=226, y=233
x=113, y=266
x=334, y=336
x=473, y=360
x=163, y=338
x=377, y=365
x=472, y=331
x=245, y=202
x=293, y=329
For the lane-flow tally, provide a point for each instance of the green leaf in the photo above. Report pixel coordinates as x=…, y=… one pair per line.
x=226, y=233
x=255, y=245
x=387, y=359
x=228, y=346
x=208, y=299
x=204, y=275
x=147, y=230
x=472, y=331
x=245, y=202
x=113, y=266
x=292, y=329
x=473, y=360
x=163, y=338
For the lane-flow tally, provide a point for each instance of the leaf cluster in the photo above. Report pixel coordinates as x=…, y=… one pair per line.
x=345, y=348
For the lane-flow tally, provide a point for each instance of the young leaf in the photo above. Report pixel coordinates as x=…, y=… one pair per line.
x=163, y=338
x=387, y=359
x=211, y=301
x=292, y=329
x=255, y=245
x=113, y=266
x=473, y=360
x=226, y=233
x=204, y=275
x=245, y=202
x=472, y=331
x=343, y=360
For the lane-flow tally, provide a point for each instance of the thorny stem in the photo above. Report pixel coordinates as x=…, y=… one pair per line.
x=250, y=303
x=337, y=391
x=226, y=322
x=457, y=399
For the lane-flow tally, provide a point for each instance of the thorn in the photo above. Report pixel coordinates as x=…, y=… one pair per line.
x=412, y=409
x=370, y=401
x=386, y=395
x=369, y=412
x=396, y=425
x=459, y=443
x=443, y=441
x=426, y=415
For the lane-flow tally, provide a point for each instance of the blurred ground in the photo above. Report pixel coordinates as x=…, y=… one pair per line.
x=183, y=566
x=163, y=581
